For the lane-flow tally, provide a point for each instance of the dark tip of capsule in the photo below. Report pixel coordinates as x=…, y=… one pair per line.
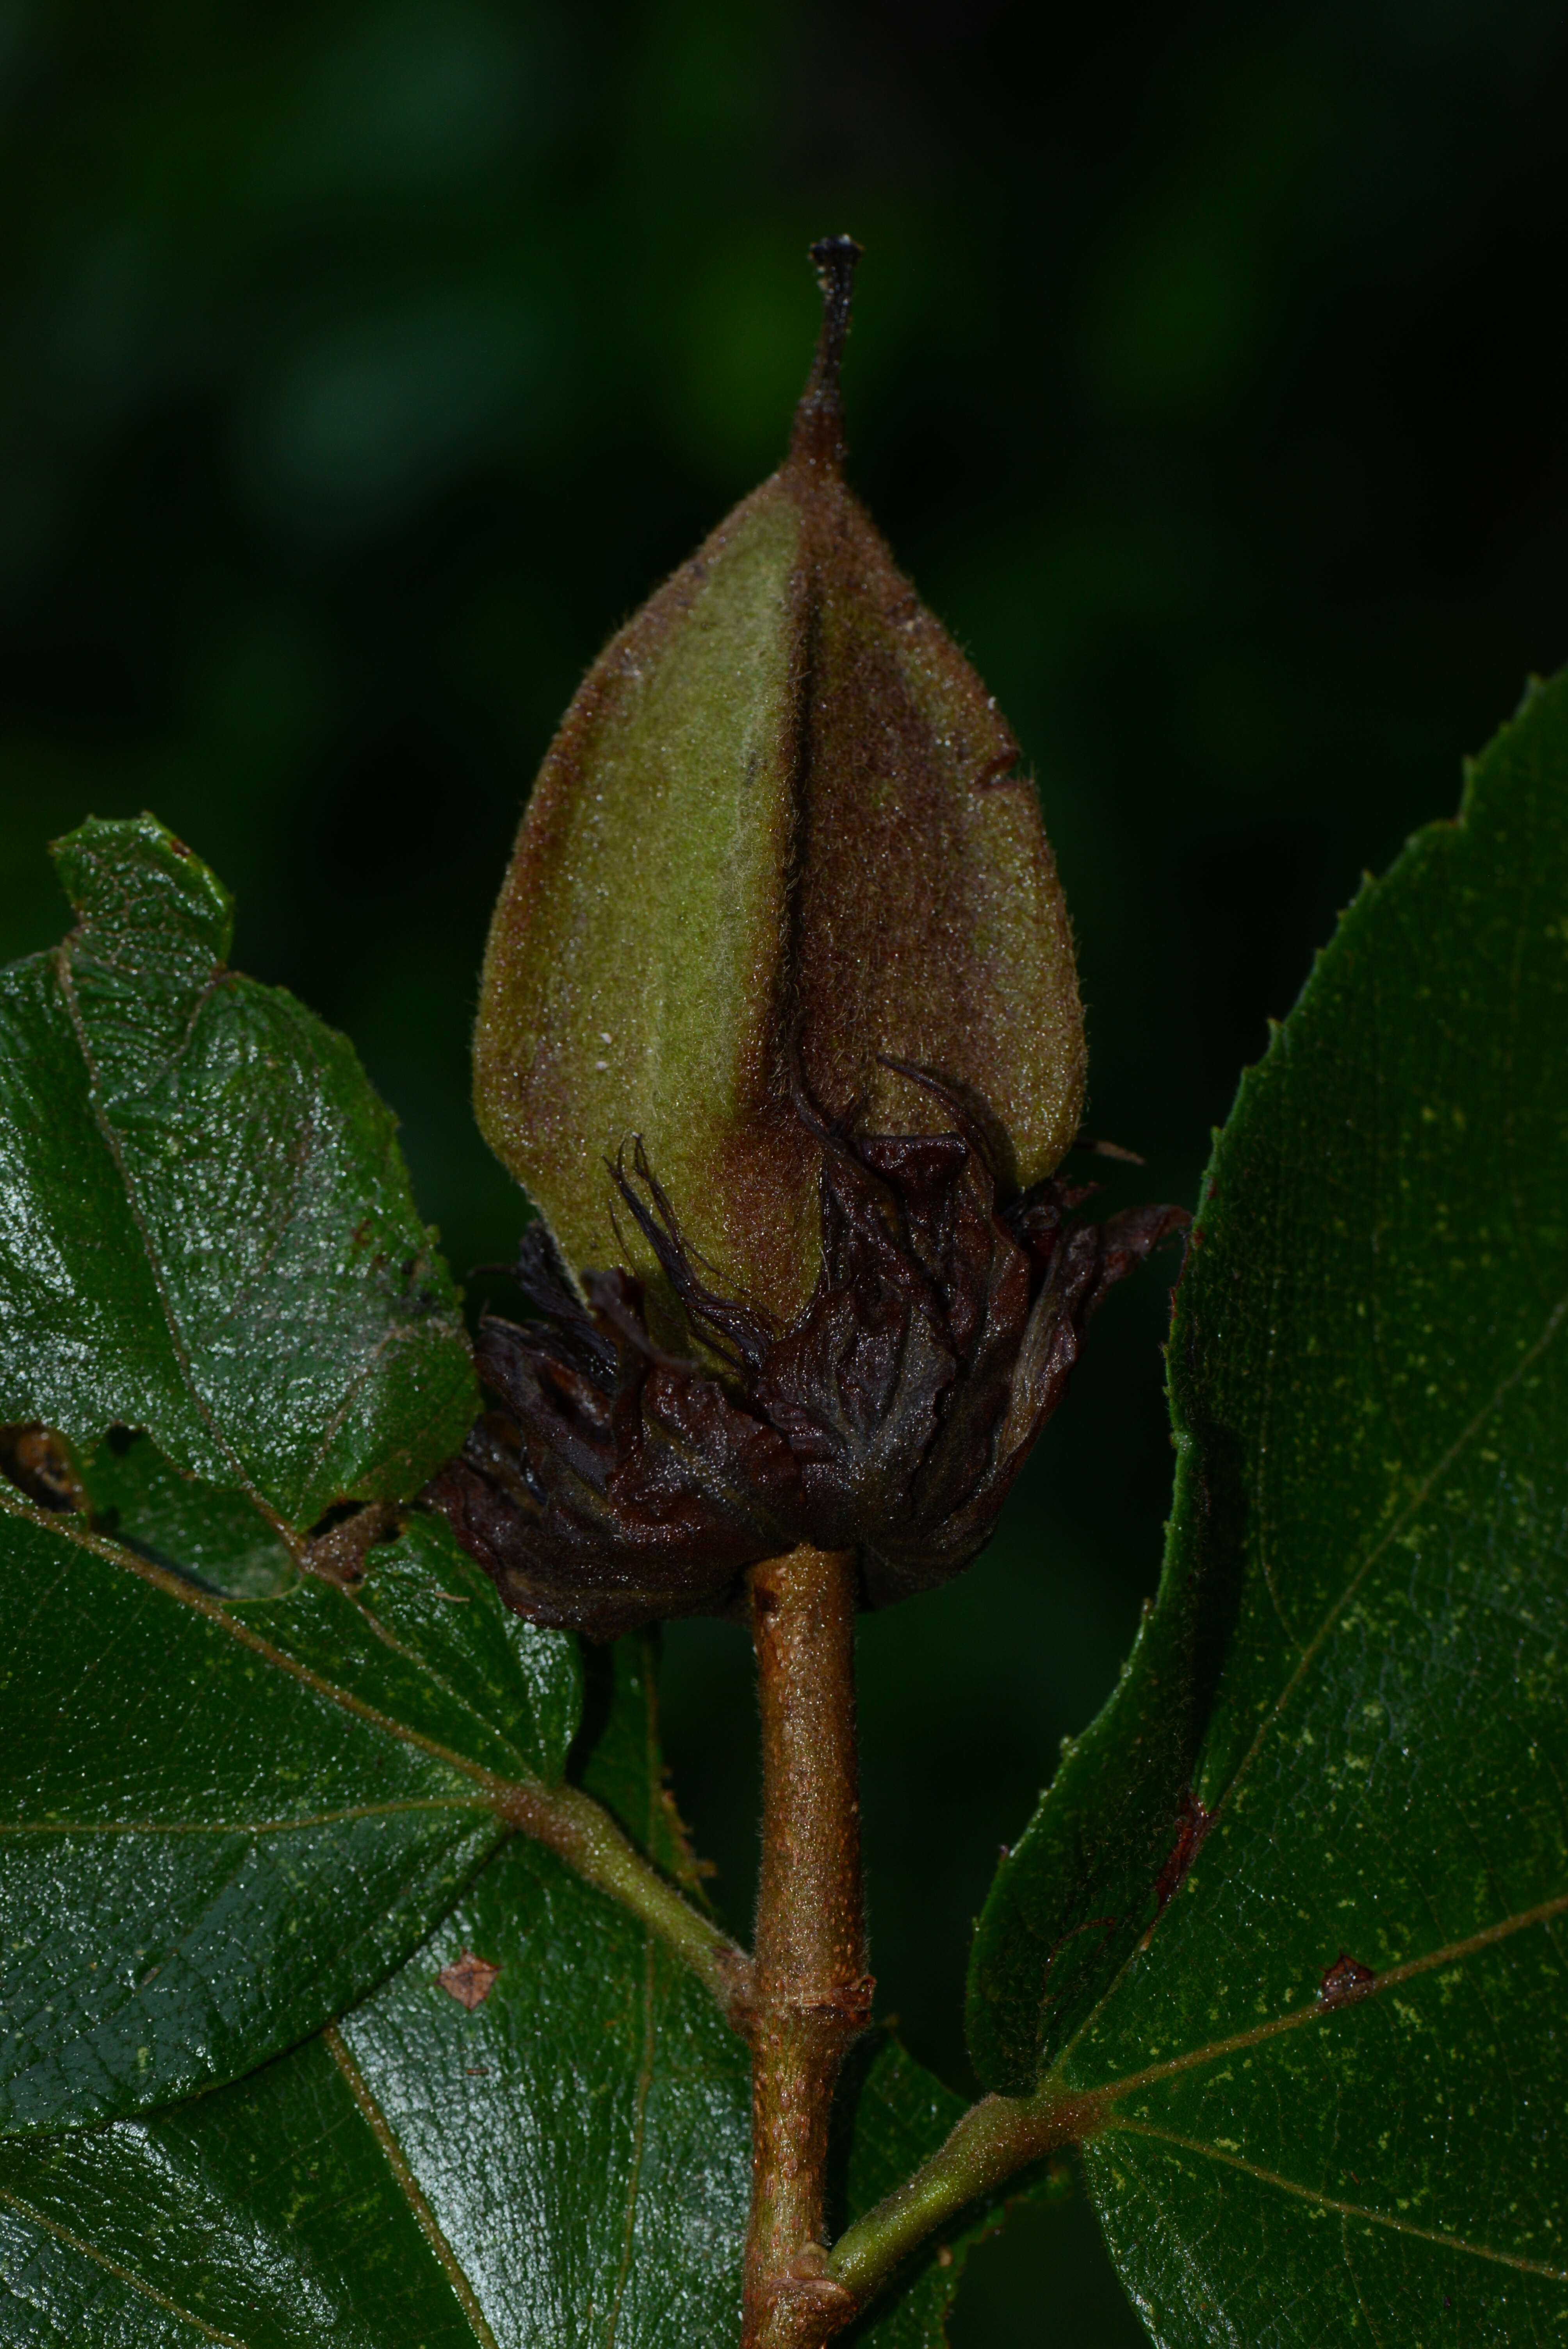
x=818, y=434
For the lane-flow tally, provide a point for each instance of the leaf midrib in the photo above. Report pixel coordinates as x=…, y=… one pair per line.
x=1316, y=2011
x=454, y=1695
x=409, y=2185
x=649, y=2028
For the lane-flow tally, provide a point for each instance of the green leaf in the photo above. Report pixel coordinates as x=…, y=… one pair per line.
x=1333, y=2095
x=568, y=2160
x=565, y=2161
x=595, y=2106
x=424, y=1644
x=595, y=2109
x=1072, y=1901
x=142, y=1501
x=265, y=2215
x=232, y=1818
x=619, y=1761
x=209, y=1233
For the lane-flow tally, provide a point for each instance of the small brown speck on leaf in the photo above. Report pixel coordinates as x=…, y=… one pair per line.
x=469, y=1979
x=1345, y=1979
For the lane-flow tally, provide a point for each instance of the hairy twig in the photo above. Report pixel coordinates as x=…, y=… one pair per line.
x=811, y=1993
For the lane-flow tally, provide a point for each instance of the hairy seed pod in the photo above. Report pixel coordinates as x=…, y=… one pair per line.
x=781, y=827
x=780, y=907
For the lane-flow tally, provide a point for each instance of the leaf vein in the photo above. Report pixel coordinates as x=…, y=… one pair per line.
x=1452, y=1953
x=1357, y=2210
x=645, y=2062
x=216, y=1611
x=237, y=1826
x=126, y=2275
x=393, y=2154
x=1391, y=1533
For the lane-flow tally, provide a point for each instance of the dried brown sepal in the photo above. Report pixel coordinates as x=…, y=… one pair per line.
x=616, y=1482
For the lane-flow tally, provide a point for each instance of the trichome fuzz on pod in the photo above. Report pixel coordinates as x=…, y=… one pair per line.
x=778, y=1022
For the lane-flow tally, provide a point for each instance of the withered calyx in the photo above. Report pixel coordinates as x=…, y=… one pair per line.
x=617, y=1482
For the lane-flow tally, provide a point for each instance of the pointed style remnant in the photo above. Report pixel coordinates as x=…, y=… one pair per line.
x=780, y=905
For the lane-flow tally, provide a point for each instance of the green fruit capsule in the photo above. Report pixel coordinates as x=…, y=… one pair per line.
x=778, y=841
x=780, y=1029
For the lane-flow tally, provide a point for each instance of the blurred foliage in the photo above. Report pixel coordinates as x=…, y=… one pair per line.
x=366, y=363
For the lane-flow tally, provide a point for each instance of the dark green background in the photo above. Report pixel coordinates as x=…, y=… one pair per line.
x=363, y=365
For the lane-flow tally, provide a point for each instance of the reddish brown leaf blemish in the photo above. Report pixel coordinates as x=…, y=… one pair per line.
x=469, y=1979
x=1195, y=1823
x=1345, y=1979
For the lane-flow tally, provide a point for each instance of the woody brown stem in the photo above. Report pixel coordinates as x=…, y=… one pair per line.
x=811, y=1994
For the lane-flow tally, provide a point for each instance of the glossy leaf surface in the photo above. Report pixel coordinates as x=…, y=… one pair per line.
x=207, y=1229
x=228, y=1820
x=255, y=2215
x=1071, y=1901
x=594, y=2107
x=139, y=1499
x=564, y=2163
x=1335, y=2085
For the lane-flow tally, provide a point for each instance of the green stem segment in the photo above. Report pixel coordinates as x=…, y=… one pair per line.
x=811, y=1995
x=575, y=1827
x=995, y=2137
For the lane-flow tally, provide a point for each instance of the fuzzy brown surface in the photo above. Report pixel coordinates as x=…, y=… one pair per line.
x=812, y=1994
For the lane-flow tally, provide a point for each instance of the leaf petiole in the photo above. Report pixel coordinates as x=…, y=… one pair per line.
x=582, y=1832
x=997, y=2137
